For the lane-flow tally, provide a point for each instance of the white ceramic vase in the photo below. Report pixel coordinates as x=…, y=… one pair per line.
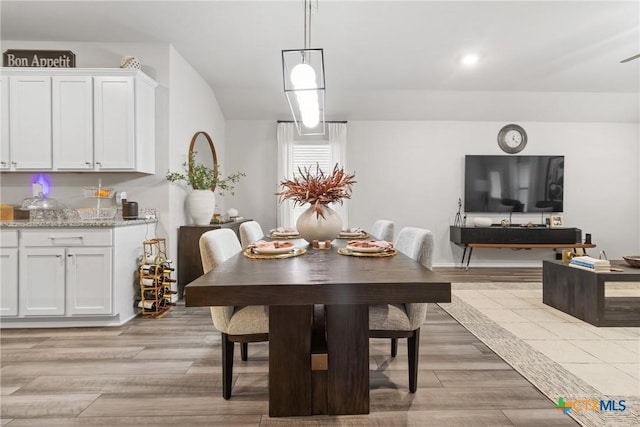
x=200, y=205
x=312, y=226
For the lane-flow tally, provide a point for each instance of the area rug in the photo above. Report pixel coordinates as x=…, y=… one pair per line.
x=551, y=378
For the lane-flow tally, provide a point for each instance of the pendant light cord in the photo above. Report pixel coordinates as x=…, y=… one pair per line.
x=307, y=23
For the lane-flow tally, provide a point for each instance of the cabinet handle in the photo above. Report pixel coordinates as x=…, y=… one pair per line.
x=14, y=163
x=66, y=237
x=3, y=163
x=99, y=163
x=88, y=164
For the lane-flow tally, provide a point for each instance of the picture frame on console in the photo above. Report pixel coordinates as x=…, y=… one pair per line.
x=556, y=221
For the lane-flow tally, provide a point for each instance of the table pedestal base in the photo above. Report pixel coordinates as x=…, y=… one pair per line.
x=297, y=390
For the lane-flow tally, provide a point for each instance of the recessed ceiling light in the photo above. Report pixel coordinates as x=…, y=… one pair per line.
x=470, y=59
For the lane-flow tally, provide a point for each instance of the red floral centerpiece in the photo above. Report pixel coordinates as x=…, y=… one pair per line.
x=319, y=190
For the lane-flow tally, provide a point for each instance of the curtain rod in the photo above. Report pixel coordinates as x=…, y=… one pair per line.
x=326, y=121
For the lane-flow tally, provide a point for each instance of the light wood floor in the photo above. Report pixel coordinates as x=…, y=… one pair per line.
x=166, y=372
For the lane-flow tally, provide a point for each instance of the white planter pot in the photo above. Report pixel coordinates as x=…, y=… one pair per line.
x=200, y=205
x=312, y=227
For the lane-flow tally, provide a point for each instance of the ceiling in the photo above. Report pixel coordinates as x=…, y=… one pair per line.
x=384, y=60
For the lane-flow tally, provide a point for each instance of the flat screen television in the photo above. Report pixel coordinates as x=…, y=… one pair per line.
x=513, y=183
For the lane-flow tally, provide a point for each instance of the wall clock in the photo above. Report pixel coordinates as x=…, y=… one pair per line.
x=512, y=139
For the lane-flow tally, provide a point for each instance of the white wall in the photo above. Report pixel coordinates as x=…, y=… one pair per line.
x=252, y=149
x=193, y=108
x=412, y=173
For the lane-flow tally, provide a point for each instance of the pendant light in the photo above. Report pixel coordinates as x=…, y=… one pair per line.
x=303, y=79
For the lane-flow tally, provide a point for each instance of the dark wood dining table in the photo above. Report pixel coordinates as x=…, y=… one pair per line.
x=300, y=382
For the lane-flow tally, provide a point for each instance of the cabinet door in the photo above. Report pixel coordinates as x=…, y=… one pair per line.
x=72, y=124
x=114, y=132
x=145, y=125
x=89, y=278
x=30, y=122
x=8, y=282
x=4, y=123
x=41, y=281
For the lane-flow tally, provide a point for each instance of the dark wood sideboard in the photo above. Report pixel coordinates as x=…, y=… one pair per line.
x=516, y=238
x=189, y=262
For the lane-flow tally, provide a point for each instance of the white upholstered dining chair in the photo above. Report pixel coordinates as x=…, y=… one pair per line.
x=250, y=232
x=243, y=324
x=404, y=320
x=383, y=229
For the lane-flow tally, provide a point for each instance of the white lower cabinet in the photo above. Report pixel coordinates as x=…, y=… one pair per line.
x=65, y=281
x=41, y=290
x=57, y=277
x=65, y=272
x=89, y=279
x=8, y=272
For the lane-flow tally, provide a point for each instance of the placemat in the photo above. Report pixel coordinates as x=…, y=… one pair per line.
x=296, y=252
x=364, y=235
x=382, y=254
x=280, y=237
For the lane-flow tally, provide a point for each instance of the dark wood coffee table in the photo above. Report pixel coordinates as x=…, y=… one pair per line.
x=581, y=293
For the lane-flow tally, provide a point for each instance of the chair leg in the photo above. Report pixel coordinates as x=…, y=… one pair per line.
x=227, y=366
x=244, y=351
x=413, y=346
x=394, y=347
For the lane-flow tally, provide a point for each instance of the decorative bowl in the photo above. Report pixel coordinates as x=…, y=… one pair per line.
x=98, y=192
x=482, y=221
x=632, y=260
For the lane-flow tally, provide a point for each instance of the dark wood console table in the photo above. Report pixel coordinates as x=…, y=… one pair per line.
x=189, y=262
x=516, y=238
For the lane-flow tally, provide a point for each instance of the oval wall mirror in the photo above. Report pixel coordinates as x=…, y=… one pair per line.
x=204, y=152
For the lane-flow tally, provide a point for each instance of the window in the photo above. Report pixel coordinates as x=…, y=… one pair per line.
x=299, y=152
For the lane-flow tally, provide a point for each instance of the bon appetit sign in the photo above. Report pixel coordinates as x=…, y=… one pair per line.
x=39, y=58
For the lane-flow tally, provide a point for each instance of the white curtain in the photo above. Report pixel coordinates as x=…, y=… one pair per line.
x=284, y=215
x=337, y=144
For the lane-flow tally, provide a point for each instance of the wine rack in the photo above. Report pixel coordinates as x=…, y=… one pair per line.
x=155, y=280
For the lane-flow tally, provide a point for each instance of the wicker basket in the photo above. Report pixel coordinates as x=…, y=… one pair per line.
x=633, y=260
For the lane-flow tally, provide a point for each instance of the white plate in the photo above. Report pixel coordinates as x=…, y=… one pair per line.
x=285, y=233
x=351, y=233
x=360, y=249
x=273, y=251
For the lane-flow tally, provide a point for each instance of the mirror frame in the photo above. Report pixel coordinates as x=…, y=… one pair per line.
x=213, y=151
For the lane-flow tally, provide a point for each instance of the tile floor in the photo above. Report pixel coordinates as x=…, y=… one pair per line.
x=607, y=358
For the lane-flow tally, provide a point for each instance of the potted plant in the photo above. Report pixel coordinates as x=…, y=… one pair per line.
x=319, y=221
x=204, y=180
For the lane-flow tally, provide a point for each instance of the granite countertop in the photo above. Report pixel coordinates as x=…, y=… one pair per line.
x=71, y=218
x=117, y=222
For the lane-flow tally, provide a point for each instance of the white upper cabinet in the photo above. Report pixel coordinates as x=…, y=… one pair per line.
x=30, y=122
x=4, y=123
x=78, y=120
x=114, y=100
x=73, y=123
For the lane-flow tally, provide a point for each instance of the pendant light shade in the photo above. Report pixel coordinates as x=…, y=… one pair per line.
x=303, y=79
